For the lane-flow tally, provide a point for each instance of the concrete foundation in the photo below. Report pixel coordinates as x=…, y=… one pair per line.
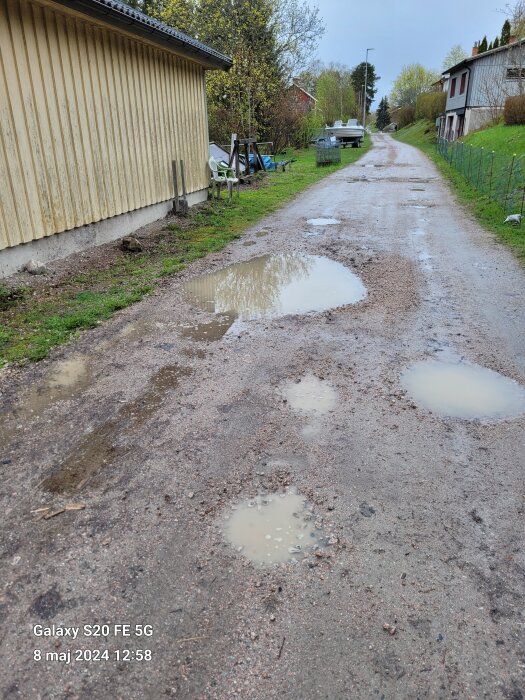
x=60, y=245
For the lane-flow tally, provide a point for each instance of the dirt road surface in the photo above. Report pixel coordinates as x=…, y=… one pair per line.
x=158, y=425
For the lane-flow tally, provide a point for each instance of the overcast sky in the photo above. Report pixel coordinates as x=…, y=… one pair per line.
x=403, y=32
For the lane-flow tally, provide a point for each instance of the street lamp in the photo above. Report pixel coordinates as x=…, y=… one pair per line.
x=366, y=77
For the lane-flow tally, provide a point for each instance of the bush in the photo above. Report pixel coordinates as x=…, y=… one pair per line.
x=430, y=105
x=403, y=116
x=514, y=112
x=312, y=123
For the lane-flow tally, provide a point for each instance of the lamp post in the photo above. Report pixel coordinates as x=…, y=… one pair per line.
x=366, y=77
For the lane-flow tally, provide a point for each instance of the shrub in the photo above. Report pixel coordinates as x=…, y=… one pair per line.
x=429, y=105
x=403, y=116
x=514, y=112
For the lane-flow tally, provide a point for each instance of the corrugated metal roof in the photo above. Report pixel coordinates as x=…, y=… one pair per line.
x=126, y=17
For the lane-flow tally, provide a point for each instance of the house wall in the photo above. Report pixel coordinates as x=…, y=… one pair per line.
x=459, y=100
x=90, y=121
x=490, y=85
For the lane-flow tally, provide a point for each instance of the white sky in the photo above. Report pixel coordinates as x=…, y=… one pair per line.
x=403, y=32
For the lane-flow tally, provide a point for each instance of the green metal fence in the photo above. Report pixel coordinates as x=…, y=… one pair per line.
x=500, y=177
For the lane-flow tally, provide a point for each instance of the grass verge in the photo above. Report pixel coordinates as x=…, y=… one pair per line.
x=33, y=321
x=489, y=214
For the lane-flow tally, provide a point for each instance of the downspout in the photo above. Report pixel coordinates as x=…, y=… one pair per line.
x=467, y=96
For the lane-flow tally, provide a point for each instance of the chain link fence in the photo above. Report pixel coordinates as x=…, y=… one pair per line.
x=500, y=177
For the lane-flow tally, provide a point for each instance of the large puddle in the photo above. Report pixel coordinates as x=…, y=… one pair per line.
x=459, y=390
x=271, y=286
x=310, y=395
x=272, y=529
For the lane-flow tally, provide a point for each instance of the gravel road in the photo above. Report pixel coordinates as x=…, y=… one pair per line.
x=163, y=418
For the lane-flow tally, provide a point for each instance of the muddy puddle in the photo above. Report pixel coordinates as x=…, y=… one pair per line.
x=272, y=286
x=67, y=378
x=101, y=446
x=461, y=390
x=208, y=332
x=310, y=395
x=272, y=529
x=328, y=221
x=246, y=244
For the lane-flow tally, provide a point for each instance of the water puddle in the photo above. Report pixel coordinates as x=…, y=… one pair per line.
x=272, y=529
x=100, y=447
x=460, y=390
x=263, y=232
x=208, y=332
x=68, y=377
x=272, y=286
x=249, y=243
x=323, y=222
x=310, y=395
x=419, y=232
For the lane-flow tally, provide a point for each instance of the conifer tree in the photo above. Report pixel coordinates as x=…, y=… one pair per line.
x=505, y=33
x=482, y=45
x=383, y=114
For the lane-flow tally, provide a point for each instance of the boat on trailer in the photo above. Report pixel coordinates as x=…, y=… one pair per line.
x=352, y=132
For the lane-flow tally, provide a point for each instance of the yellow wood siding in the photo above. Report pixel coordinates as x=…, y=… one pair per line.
x=90, y=121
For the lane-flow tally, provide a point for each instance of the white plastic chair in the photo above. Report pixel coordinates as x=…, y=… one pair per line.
x=222, y=174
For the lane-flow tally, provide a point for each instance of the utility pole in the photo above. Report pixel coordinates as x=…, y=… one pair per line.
x=366, y=78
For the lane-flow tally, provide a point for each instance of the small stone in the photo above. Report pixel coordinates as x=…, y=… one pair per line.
x=131, y=244
x=272, y=618
x=34, y=267
x=391, y=629
x=190, y=494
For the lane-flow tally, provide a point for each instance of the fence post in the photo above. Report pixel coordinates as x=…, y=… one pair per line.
x=480, y=164
x=491, y=170
x=508, y=181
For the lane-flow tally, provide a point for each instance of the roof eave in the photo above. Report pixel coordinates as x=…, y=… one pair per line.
x=137, y=23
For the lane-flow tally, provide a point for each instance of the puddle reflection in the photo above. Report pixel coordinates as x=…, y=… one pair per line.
x=271, y=286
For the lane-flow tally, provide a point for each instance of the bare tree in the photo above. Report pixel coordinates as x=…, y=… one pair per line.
x=298, y=28
x=516, y=14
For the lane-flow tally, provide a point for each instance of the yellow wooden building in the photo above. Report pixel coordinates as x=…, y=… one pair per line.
x=96, y=101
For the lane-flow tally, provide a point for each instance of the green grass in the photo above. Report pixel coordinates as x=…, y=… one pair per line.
x=32, y=324
x=507, y=140
x=490, y=215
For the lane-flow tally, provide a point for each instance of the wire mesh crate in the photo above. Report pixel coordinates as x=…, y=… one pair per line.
x=327, y=152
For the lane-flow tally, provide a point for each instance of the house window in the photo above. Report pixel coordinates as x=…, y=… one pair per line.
x=453, y=87
x=463, y=82
x=515, y=73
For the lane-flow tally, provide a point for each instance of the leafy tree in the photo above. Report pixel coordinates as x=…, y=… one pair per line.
x=482, y=45
x=505, y=33
x=454, y=56
x=413, y=80
x=358, y=81
x=335, y=94
x=383, y=114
